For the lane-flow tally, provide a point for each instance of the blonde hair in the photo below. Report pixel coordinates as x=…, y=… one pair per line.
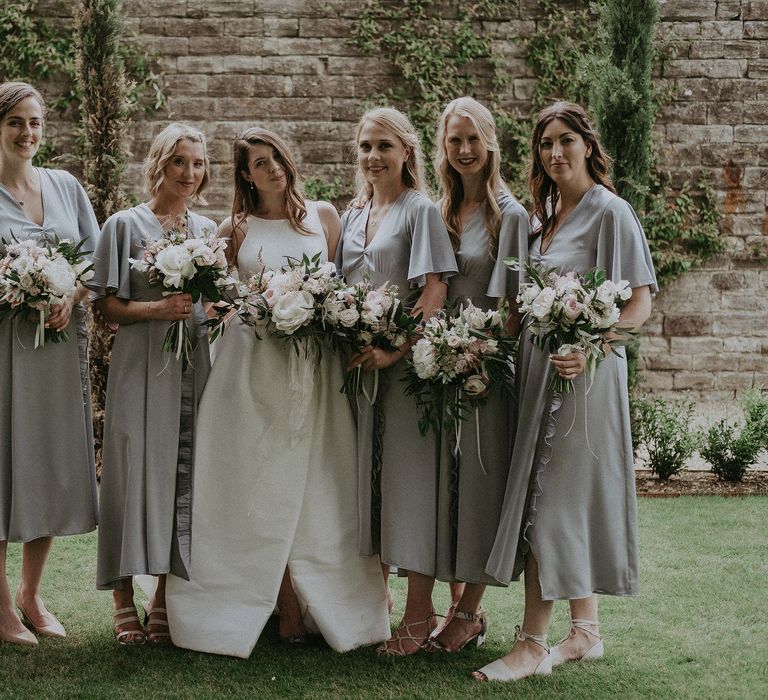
x=161, y=151
x=11, y=93
x=413, y=168
x=450, y=186
x=245, y=200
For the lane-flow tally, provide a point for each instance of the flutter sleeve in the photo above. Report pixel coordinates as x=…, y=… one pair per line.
x=111, y=260
x=622, y=249
x=431, y=250
x=513, y=242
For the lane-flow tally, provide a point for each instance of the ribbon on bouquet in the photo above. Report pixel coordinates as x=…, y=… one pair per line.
x=573, y=422
x=457, y=432
x=40, y=330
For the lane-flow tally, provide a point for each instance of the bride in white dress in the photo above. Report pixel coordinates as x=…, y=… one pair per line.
x=274, y=518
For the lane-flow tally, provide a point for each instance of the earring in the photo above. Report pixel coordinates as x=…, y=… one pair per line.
x=252, y=187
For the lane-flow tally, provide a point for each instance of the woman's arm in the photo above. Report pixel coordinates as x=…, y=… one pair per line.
x=430, y=300
x=329, y=218
x=174, y=307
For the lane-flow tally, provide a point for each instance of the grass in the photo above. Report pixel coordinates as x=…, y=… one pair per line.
x=697, y=631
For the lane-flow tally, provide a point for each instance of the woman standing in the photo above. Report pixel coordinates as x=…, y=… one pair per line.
x=569, y=514
x=275, y=518
x=486, y=225
x=146, y=483
x=393, y=233
x=47, y=474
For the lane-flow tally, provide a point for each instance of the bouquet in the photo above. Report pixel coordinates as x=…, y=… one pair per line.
x=183, y=264
x=464, y=350
x=366, y=315
x=34, y=277
x=298, y=302
x=573, y=313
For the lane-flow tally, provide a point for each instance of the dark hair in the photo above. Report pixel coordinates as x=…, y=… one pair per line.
x=543, y=187
x=11, y=93
x=245, y=200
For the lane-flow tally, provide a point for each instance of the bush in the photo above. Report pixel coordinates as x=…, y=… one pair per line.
x=664, y=429
x=730, y=450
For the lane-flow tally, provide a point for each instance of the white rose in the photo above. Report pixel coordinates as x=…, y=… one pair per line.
x=474, y=385
x=348, y=317
x=175, y=264
x=79, y=270
x=453, y=341
x=292, y=310
x=424, y=359
x=542, y=304
x=606, y=292
x=568, y=348
x=624, y=290
x=61, y=277
x=332, y=308
x=205, y=255
x=528, y=294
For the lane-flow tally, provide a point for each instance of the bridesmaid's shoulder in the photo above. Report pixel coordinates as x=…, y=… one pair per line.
x=417, y=204
x=122, y=218
x=510, y=206
x=609, y=203
x=62, y=178
x=203, y=222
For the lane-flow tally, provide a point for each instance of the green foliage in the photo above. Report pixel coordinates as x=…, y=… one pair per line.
x=682, y=226
x=556, y=50
x=621, y=92
x=437, y=57
x=325, y=189
x=755, y=404
x=664, y=429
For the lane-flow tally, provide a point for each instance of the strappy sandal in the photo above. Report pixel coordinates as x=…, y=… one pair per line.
x=596, y=651
x=476, y=640
x=394, y=645
x=128, y=638
x=162, y=636
x=499, y=671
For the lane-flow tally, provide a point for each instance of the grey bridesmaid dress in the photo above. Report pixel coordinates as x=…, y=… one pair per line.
x=398, y=468
x=47, y=474
x=471, y=494
x=570, y=497
x=146, y=482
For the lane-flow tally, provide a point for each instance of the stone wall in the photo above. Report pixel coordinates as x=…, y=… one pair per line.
x=287, y=65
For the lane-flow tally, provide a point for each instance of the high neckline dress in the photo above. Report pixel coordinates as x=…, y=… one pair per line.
x=471, y=493
x=47, y=473
x=570, y=497
x=275, y=485
x=398, y=468
x=149, y=418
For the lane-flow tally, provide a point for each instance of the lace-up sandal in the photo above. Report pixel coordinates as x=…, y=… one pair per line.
x=499, y=671
x=128, y=638
x=394, y=646
x=155, y=636
x=596, y=651
x=476, y=640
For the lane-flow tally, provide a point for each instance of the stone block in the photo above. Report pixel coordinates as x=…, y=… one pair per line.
x=734, y=380
x=729, y=9
x=200, y=64
x=740, y=324
x=736, y=346
x=739, y=90
x=694, y=346
x=756, y=30
x=689, y=68
x=330, y=85
x=187, y=84
x=688, y=9
x=746, y=48
x=707, y=49
x=697, y=89
x=754, y=9
x=750, y=133
x=729, y=281
x=756, y=112
x=359, y=66
x=182, y=27
x=165, y=46
x=721, y=30
x=694, y=380
x=712, y=133
x=220, y=8
x=712, y=362
x=687, y=324
x=244, y=26
x=758, y=68
x=347, y=110
x=282, y=26
x=668, y=362
x=753, y=363
x=684, y=113
x=656, y=381
x=324, y=28
x=679, y=30
x=231, y=85
x=725, y=113
x=292, y=65
x=244, y=64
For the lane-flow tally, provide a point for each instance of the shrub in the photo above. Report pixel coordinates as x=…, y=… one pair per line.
x=664, y=429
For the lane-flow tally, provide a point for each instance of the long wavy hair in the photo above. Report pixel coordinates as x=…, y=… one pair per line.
x=161, y=151
x=543, y=188
x=413, y=169
x=450, y=186
x=246, y=199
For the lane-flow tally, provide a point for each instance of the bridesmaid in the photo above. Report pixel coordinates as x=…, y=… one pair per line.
x=146, y=483
x=486, y=225
x=575, y=531
x=392, y=232
x=47, y=473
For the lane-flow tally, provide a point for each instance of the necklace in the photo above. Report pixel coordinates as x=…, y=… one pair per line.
x=376, y=220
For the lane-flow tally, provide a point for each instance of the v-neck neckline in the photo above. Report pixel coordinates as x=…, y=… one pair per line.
x=41, y=225
x=369, y=205
x=543, y=252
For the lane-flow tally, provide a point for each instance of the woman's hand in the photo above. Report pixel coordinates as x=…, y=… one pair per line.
x=371, y=358
x=174, y=307
x=60, y=314
x=569, y=366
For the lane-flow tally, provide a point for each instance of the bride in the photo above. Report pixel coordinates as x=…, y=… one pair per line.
x=274, y=520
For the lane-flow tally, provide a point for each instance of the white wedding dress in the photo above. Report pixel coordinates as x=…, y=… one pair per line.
x=275, y=484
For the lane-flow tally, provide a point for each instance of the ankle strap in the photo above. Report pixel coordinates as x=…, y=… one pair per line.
x=540, y=639
x=585, y=625
x=479, y=616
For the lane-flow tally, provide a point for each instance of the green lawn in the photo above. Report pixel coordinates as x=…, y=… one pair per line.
x=699, y=630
